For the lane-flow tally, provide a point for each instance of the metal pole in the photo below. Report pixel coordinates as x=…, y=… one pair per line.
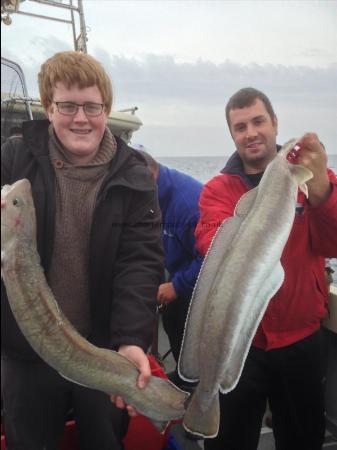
x=39, y=16
x=80, y=42
x=73, y=25
x=82, y=27
x=54, y=3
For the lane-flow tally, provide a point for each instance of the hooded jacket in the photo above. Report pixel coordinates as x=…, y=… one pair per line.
x=126, y=255
x=297, y=308
x=178, y=198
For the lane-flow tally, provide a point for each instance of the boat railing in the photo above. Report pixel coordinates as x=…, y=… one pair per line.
x=131, y=110
x=20, y=99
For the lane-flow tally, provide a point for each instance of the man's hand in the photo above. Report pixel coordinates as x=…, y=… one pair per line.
x=166, y=293
x=137, y=356
x=313, y=156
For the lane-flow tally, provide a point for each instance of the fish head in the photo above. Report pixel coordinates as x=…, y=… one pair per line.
x=288, y=148
x=17, y=213
x=299, y=173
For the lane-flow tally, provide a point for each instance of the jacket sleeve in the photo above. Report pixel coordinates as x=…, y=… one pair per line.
x=138, y=271
x=217, y=203
x=184, y=280
x=323, y=223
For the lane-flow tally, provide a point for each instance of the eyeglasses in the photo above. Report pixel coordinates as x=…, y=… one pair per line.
x=71, y=109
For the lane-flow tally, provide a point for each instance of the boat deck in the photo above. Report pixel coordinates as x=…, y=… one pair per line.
x=266, y=438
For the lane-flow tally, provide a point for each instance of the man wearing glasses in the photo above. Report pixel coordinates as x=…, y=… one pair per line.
x=99, y=240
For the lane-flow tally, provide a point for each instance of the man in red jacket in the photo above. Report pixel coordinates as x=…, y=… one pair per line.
x=285, y=364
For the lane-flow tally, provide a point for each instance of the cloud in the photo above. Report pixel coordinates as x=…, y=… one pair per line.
x=181, y=104
x=42, y=49
x=46, y=47
x=163, y=79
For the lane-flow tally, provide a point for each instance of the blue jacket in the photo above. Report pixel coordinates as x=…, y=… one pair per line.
x=179, y=203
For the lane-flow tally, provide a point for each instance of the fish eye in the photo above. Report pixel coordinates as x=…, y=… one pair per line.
x=17, y=201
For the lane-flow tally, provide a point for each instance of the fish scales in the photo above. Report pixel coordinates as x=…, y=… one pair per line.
x=240, y=274
x=51, y=334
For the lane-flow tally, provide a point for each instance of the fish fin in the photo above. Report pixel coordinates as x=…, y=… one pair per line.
x=241, y=343
x=302, y=175
x=246, y=202
x=200, y=422
x=188, y=364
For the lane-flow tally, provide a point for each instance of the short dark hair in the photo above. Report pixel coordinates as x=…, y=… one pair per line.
x=246, y=97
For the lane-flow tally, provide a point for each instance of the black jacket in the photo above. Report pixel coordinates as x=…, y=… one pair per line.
x=126, y=256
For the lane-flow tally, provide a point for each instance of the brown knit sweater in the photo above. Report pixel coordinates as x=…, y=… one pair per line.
x=76, y=191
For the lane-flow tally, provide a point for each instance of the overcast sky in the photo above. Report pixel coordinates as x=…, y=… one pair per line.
x=180, y=61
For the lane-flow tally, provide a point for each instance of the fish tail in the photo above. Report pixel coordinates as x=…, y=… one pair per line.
x=202, y=422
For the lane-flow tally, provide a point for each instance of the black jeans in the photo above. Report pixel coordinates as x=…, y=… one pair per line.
x=331, y=382
x=174, y=317
x=36, y=400
x=291, y=378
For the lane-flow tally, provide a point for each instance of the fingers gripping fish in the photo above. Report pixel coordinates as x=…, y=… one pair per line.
x=51, y=334
x=226, y=308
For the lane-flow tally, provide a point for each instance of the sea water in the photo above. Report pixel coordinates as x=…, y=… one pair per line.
x=203, y=168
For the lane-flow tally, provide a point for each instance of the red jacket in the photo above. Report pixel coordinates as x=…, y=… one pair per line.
x=298, y=307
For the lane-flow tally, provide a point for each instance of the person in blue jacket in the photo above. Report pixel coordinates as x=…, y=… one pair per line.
x=179, y=203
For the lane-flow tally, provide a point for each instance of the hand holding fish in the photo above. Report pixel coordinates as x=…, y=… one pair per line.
x=54, y=338
x=166, y=293
x=313, y=156
x=138, y=357
x=225, y=312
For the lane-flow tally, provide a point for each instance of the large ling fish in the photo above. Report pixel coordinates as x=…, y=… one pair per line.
x=51, y=334
x=240, y=274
